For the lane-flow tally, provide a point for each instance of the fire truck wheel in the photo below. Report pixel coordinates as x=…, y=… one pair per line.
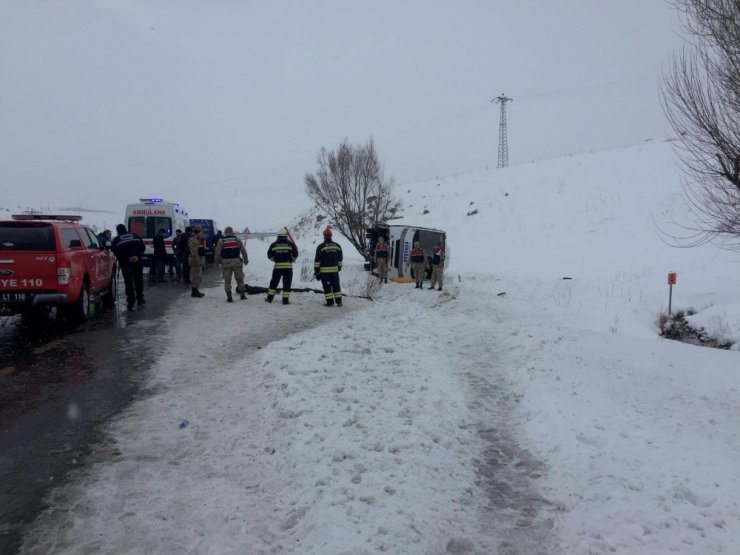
x=109, y=298
x=80, y=311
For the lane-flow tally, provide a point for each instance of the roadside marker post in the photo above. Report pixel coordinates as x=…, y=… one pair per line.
x=671, y=282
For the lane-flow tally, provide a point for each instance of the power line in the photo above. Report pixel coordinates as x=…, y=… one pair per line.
x=503, y=142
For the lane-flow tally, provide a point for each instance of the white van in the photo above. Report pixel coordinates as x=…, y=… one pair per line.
x=400, y=240
x=149, y=215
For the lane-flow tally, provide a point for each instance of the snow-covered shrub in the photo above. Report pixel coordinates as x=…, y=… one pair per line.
x=677, y=327
x=307, y=267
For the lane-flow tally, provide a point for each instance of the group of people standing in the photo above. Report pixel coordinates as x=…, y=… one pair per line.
x=327, y=265
x=231, y=254
x=418, y=263
x=129, y=249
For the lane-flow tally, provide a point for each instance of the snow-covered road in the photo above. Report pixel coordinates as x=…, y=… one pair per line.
x=422, y=423
x=377, y=427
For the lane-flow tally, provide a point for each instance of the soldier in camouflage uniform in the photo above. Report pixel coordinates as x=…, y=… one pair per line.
x=418, y=263
x=438, y=266
x=381, y=259
x=227, y=253
x=197, y=259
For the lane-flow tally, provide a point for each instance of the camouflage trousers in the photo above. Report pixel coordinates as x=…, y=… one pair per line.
x=233, y=266
x=437, y=273
x=196, y=271
x=383, y=268
x=419, y=271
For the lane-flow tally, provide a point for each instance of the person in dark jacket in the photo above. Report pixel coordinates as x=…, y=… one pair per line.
x=160, y=257
x=183, y=254
x=216, y=238
x=326, y=267
x=283, y=253
x=128, y=249
x=176, y=258
x=230, y=253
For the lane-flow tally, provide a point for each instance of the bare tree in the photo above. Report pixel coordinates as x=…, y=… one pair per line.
x=350, y=187
x=701, y=100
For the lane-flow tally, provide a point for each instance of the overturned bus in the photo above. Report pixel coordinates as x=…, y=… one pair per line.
x=400, y=240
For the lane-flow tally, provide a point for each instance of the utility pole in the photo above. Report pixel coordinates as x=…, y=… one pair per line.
x=503, y=143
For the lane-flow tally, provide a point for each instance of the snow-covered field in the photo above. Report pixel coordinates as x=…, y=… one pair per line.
x=513, y=412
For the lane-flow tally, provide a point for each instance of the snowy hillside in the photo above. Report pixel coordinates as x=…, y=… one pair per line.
x=515, y=412
x=595, y=218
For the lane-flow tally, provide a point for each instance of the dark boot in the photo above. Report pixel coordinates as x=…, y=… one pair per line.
x=243, y=296
x=385, y=280
x=339, y=302
x=229, y=298
x=286, y=301
x=439, y=289
x=268, y=298
x=329, y=303
x=195, y=293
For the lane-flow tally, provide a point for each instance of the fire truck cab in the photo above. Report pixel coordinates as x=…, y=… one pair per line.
x=149, y=215
x=400, y=240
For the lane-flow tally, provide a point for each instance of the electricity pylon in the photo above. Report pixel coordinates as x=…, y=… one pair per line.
x=503, y=143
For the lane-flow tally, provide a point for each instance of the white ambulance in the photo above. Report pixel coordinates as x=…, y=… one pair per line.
x=149, y=215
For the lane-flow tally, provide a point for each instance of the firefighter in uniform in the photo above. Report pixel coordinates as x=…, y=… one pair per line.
x=283, y=253
x=128, y=249
x=438, y=266
x=227, y=253
x=381, y=259
x=418, y=264
x=326, y=267
x=196, y=260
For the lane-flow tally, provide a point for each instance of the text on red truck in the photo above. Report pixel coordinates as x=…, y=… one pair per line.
x=22, y=282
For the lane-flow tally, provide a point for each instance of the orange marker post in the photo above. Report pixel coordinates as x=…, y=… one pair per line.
x=671, y=282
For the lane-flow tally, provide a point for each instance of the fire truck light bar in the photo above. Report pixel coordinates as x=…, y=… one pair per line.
x=59, y=217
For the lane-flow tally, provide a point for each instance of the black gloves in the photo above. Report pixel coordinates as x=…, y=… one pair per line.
x=318, y=276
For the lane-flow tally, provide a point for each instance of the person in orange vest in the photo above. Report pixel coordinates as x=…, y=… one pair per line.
x=381, y=259
x=438, y=266
x=418, y=264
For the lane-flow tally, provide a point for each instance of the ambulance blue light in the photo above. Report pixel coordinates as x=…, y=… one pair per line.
x=153, y=199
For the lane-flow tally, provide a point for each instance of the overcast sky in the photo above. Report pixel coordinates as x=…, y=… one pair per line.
x=102, y=102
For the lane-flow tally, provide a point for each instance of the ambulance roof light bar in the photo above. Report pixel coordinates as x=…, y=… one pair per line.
x=151, y=200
